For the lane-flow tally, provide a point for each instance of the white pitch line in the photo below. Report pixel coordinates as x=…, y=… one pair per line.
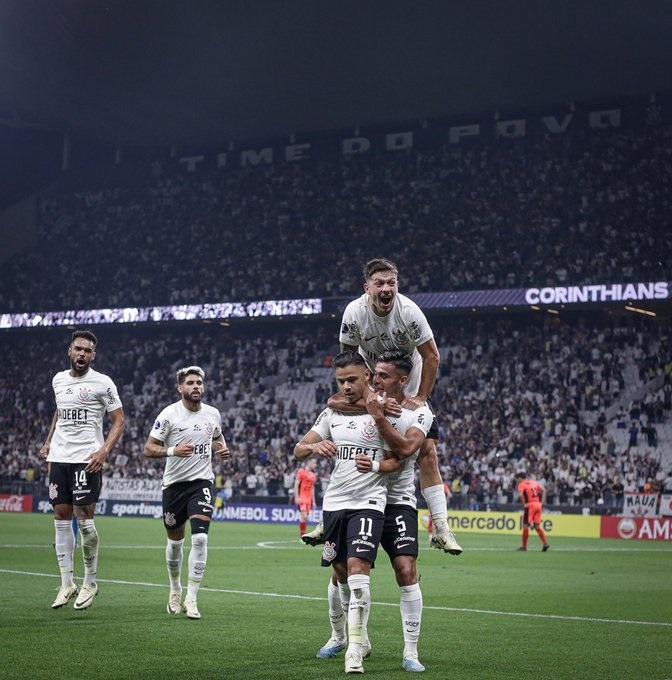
x=629, y=549
x=292, y=545
x=295, y=545
x=257, y=593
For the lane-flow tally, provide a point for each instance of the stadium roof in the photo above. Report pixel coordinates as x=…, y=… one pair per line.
x=202, y=71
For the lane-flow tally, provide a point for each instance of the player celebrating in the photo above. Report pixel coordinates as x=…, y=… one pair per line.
x=76, y=451
x=304, y=492
x=185, y=434
x=400, y=531
x=354, y=502
x=383, y=319
x=532, y=495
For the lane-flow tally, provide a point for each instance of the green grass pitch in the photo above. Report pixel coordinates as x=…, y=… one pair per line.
x=588, y=609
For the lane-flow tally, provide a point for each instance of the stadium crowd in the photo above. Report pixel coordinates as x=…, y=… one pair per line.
x=536, y=399
x=500, y=214
x=504, y=214
x=511, y=395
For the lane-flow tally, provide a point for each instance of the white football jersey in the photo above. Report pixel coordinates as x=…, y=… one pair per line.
x=177, y=423
x=81, y=403
x=349, y=489
x=401, y=484
x=404, y=328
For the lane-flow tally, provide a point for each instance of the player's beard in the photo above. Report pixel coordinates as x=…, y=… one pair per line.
x=79, y=370
x=189, y=396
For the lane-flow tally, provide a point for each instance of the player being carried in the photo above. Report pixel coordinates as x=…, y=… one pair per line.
x=380, y=320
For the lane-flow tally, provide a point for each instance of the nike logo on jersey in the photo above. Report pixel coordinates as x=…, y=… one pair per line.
x=182, y=429
x=403, y=545
x=371, y=337
x=362, y=550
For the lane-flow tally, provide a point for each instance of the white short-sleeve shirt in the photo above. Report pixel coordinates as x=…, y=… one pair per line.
x=349, y=489
x=177, y=423
x=81, y=404
x=404, y=328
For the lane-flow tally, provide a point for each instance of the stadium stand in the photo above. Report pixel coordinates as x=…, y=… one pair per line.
x=551, y=211
x=512, y=394
x=581, y=402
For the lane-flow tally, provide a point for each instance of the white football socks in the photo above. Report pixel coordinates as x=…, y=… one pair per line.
x=198, y=557
x=64, y=543
x=337, y=617
x=411, y=616
x=87, y=529
x=358, y=613
x=174, y=556
x=435, y=497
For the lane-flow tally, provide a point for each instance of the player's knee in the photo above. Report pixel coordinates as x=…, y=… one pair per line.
x=199, y=541
x=63, y=512
x=405, y=574
x=428, y=458
x=428, y=446
x=87, y=527
x=83, y=512
x=340, y=574
x=199, y=526
x=175, y=534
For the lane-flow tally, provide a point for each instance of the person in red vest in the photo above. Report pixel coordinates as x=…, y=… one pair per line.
x=304, y=493
x=532, y=495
